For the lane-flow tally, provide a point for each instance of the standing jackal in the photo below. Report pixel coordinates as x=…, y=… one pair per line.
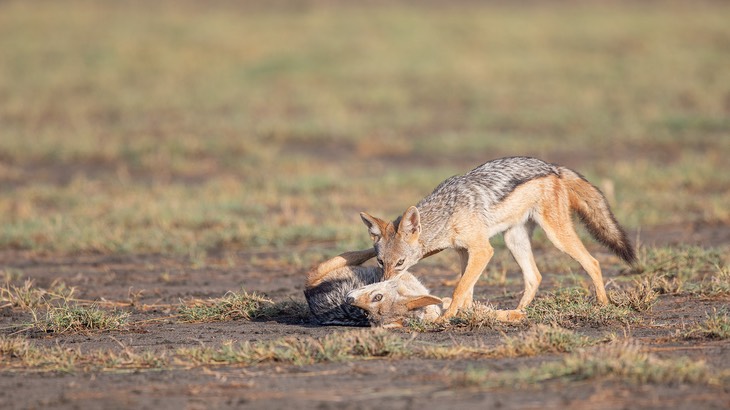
x=504, y=195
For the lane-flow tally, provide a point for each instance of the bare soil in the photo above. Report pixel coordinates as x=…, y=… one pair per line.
x=156, y=283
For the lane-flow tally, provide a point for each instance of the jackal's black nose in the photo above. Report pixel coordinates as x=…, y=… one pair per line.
x=350, y=300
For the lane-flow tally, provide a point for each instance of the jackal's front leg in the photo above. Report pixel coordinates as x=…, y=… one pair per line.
x=464, y=291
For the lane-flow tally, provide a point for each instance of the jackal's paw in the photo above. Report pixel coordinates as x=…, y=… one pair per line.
x=442, y=320
x=450, y=312
x=393, y=325
x=510, y=316
x=455, y=306
x=447, y=315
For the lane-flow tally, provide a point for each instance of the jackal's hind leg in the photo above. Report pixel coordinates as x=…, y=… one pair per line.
x=559, y=229
x=517, y=240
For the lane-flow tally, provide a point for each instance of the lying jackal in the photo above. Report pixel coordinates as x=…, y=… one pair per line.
x=504, y=195
x=341, y=292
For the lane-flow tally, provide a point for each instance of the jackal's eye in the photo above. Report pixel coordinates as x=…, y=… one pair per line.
x=380, y=262
x=400, y=263
x=378, y=297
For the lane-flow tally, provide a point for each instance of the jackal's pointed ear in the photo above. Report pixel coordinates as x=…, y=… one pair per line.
x=375, y=225
x=420, y=301
x=410, y=224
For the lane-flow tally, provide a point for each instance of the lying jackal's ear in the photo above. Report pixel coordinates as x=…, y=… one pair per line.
x=374, y=226
x=416, y=302
x=410, y=223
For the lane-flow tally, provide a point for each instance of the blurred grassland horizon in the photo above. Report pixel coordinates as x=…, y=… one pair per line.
x=188, y=127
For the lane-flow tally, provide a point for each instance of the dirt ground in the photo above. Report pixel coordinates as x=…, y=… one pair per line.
x=413, y=383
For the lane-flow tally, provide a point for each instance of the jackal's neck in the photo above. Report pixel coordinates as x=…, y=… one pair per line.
x=434, y=236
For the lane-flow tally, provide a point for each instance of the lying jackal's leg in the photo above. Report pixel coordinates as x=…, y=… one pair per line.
x=463, y=294
x=517, y=240
x=559, y=229
x=318, y=273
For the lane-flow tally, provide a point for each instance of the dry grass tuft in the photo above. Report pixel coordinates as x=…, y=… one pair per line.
x=687, y=269
x=624, y=360
x=233, y=305
x=713, y=285
x=299, y=351
x=538, y=340
x=640, y=296
x=75, y=318
x=543, y=339
x=242, y=305
x=573, y=307
x=20, y=354
x=28, y=297
x=715, y=326
x=479, y=316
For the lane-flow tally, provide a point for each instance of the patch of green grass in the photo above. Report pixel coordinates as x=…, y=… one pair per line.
x=574, y=307
x=537, y=340
x=671, y=269
x=242, y=305
x=543, y=339
x=712, y=285
x=233, y=305
x=715, y=326
x=75, y=318
x=55, y=310
x=299, y=351
x=20, y=354
x=14, y=347
x=624, y=361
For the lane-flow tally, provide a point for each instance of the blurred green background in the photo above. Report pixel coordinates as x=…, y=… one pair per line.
x=195, y=127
